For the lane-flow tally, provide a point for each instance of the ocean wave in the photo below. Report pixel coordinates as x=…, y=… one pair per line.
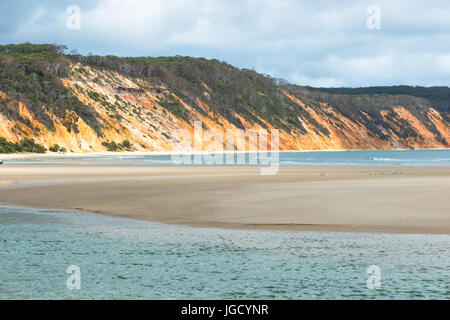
x=408, y=160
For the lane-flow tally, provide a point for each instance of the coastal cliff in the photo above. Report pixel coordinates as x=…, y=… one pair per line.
x=96, y=103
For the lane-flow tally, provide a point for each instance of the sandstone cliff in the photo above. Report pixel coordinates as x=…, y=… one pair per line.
x=81, y=102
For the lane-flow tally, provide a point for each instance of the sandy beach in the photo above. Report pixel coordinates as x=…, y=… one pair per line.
x=363, y=199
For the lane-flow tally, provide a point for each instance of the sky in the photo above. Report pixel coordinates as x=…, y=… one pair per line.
x=319, y=43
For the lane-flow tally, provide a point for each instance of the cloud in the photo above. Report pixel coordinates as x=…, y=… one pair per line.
x=316, y=82
x=443, y=64
x=320, y=43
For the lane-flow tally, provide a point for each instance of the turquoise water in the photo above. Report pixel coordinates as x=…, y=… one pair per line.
x=128, y=259
x=353, y=158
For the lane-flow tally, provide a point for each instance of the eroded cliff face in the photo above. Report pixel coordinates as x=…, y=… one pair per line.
x=133, y=109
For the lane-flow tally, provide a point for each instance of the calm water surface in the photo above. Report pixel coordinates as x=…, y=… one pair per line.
x=128, y=259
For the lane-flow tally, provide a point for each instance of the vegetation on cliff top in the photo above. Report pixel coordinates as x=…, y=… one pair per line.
x=439, y=96
x=31, y=52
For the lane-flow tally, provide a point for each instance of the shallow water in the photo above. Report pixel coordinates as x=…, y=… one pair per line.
x=129, y=259
x=341, y=158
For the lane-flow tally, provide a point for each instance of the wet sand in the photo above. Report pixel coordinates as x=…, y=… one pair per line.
x=363, y=199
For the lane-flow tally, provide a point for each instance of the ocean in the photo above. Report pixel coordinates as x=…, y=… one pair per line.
x=128, y=259
x=327, y=158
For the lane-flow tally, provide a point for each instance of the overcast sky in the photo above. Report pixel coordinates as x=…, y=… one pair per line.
x=317, y=43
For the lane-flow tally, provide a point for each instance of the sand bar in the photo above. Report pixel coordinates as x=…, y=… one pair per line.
x=366, y=199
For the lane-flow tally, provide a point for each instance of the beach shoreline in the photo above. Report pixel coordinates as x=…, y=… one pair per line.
x=298, y=198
